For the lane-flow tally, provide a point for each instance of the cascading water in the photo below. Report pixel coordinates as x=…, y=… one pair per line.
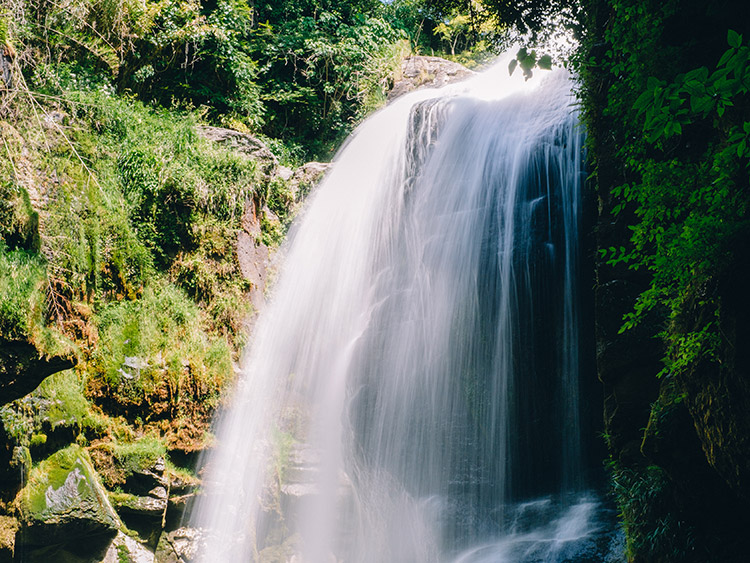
x=412, y=391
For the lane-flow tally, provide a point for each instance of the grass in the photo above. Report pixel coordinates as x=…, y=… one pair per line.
x=158, y=344
x=22, y=280
x=116, y=461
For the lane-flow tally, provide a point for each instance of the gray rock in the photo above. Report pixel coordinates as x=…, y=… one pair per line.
x=126, y=547
x=178, y=546
x=148, y=507
x=152, y=478
x=242, y=143
x=427, y=72
x=284, y=173
x=305, y=177
x=6, y=68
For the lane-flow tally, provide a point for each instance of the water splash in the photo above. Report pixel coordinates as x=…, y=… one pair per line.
x=414, y=380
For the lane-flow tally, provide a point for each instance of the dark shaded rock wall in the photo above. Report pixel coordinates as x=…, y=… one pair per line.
x=679, y=447
x=22, y=369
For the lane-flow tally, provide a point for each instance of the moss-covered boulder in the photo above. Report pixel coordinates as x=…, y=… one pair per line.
x=64, y=508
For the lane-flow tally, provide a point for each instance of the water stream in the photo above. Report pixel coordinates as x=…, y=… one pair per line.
x=412, y=391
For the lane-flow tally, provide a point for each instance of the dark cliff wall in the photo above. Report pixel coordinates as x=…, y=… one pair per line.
x=678, y=444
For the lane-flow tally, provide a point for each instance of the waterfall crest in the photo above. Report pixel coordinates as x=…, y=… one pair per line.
x=412, y=391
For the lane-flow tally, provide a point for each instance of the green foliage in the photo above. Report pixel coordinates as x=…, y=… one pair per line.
x=132, y=457
x=198, y=55
x=123, y=554
x=665, y=97
x=157, y=345
x=689, y=210
x=60, y=400
x=699, y=95
x=653, y=529
x=22, y=283
x=527, y=61
x=316, y=73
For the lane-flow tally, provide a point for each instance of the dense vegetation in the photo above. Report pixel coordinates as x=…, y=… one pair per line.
x=665, y=98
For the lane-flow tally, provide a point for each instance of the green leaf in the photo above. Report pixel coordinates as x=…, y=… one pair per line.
x=643, y=101
x=733, y=38
x=545, y=62
x=725, y=57
x=512, y=66
x=694, y=87
x=701, y=104
x=652, y=83
x=699, y=74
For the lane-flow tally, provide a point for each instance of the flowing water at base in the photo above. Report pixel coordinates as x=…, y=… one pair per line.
x=412, y=391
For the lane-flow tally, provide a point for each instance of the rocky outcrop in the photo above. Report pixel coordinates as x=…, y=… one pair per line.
x=253, y=254
x=64, y=511
x=717, y=390
x=125, y=548
x=143, y=505
x=305, y=177
x=420, y=71
x=179, y=546
x=23, y=368
x=242, y=143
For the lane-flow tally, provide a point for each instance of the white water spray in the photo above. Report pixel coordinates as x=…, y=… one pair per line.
x=412, y=389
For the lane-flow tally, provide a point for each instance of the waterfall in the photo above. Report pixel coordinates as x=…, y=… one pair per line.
x=412, y=391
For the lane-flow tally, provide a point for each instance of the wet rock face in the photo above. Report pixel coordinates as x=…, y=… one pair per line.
x=627, y=364
x=718, y=391
x=427, y=72
x=64, y=509
x=253, y=255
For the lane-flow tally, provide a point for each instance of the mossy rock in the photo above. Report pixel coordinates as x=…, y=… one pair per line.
x=179, y=546
x=64, y=503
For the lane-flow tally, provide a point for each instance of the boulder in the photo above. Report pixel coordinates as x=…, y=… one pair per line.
x=242, y=143
x=178, y=546
x=305, y=177
x=64, y=511
x=125, y=548
x=183, y=491
x=427, y=72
